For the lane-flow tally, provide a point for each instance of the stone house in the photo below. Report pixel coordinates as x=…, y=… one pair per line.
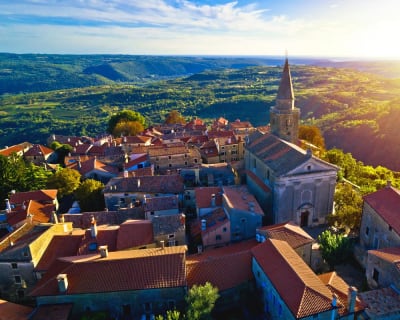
x=383, y=268
x=121, y=192
x=143, y=282
x=289, y=289
x=20, y=252
x=169, y=230
x=39, y=154
x=160, y=206
x=296, y=237
x=380, y=224
x=207, y=199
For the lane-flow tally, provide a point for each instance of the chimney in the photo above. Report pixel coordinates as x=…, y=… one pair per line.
x=351, y=299
x=23, y=206
x=103, y=251
x=138, y=183
x=54, y=218
x=93, y=227
x=213, y=200
x=8, y=206
x=126, y=173
x=199, y=249
x=162, y=243
x=62, y=219
x=203, y=225
x=388, y=184
x=62, y=282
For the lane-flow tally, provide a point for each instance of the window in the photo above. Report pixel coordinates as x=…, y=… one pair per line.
x=171, y=304
x=367, y=230
x=14, y=265
x=172, y=243
x=20, y=294
x=126, y=309
x=218, y=237
x=171, y=236
x=390, y=228
x=187, y=197
x=186, y=163
x=195, y=160
x=18, y=279
x=169, y=157
x=170, y=165
x=224, y=229
x=93, y=246
x=375, y=275
x=147, y=307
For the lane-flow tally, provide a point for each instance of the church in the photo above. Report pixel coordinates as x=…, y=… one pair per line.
x=290, y=183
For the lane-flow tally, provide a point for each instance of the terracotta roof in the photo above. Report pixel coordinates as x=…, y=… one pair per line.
x=168, y=224
x=391, y=254
x=18, y=149
x=134, y=233
x=38, y=195
x=135, y=159
x=81, y=149
x=119, y=271
x=93, y=164
x=53, y=312
x=224, y=267
x=293, y=234
x=203, y=196
x=257, y=181
x=238, y=197
x=106, y=235
x=39, y=212
x=13, y=311
x=161, y=203
x=341, y=289
x=59, y=246
x=13, y=237
x=298, y=286
x=136, y=139
x=83, y=220
x=381, y=303
x=166, y=151
x=237, y=124
x=214, y=219
x=38, y=150
x=212, y=134
x=166, y=184
x=386, y=203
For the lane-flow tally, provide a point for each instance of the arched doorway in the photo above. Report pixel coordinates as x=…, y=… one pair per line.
x=304, y=218
x=305, y=215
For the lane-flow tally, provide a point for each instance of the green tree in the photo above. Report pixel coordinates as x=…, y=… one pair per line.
x=124, y=116
x=174, y=117
x=313, y=135
x=90, y=196
x=127, y=128
x=200, y=301
x=62, y=150
x=348, y=208
x=335, y=248
x=65, y=180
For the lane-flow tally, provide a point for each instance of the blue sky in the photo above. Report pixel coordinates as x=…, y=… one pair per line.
x=325, y=28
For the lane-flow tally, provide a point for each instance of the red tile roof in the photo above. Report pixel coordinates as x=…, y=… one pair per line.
x=257, y=181
x=293, y=234
x=166, y=151
x=18, y=149
x=93, y=164
x=391, y=254
x=38, y=195
x=38, y=150
x=161, y=203
x=120, y=271
x=13, y=311
x=214, y=219
x=106, y=235
x=224, y=267
x=238, y=197
x=298, y=286
x=40, y=213
x=134, y=233
x=203, y=196
x=386, y=203
x=341, y=289
x=60, y=246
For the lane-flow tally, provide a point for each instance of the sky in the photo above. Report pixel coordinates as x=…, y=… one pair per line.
x=317, y=28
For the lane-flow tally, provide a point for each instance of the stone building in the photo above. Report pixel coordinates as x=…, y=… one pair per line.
x=290, y=183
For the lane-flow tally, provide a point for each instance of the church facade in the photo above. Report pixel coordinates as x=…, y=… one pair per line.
x=289, y=182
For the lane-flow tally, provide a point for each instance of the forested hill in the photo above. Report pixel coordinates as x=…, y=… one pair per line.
x=358, y=112
x=23, y=73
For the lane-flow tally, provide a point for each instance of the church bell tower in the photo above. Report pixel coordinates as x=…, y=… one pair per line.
x=284, y=116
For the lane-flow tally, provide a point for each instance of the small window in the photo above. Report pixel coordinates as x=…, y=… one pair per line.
x=126, y=309
x=169, y=157
x=18, y=279
x=308, y=168
x=171, y=236
x=195, y=160
x=171, y=305
x=390, y=228
x=224, y=229
x=147, y=307
x=375, y=275
x=14, y=265
x=218, y=237
x=93, y=246
x=186, y=163
x=170, y=165
x=367, y=230
x=20, y=294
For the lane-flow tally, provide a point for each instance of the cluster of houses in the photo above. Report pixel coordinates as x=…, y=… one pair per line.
x=185, y=205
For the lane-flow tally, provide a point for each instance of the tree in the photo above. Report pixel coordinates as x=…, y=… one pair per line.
x=66, y=181
x=62, y=150
x=313, y=135
x=127, y=128
x=174, y=117
x=124, y=116
x=200, y=301
x=90, y=196
x=335, y=248
x=348, y=208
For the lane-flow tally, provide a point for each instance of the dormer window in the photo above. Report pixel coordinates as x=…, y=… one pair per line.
x=309, y=168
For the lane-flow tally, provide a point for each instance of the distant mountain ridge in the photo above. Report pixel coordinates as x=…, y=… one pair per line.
x=23, y=73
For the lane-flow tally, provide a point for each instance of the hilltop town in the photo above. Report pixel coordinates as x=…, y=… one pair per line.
x=184, y=204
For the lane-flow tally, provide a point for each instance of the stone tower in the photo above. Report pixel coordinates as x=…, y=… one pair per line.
x=284, y=116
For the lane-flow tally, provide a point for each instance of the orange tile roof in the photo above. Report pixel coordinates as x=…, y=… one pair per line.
x=224, y=267
x=293, y=234
x=38, y=149
x=257, y=181
x=38, y=195
x=238, y=197
x=13, y=311
x=134, y=233
x=214, y=219
x=203, y=196
x=106, y=235
x=18, y=149
x=298, y=286
x=161, y=203
x=93, y=164
x=391, y=254
x=39, y=212
x=341, y=289
x=386, y=203
x=59, y=246
x=166, y=151
x=120, y=271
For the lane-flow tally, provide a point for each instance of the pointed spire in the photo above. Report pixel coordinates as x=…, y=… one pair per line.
x=285, y=91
